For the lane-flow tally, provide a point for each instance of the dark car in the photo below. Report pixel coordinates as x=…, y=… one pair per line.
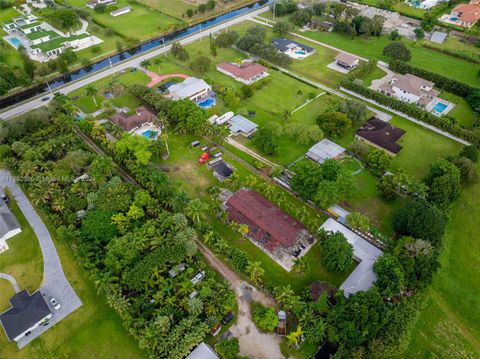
x=228, y=318
x=46, y=98
x=4, y=197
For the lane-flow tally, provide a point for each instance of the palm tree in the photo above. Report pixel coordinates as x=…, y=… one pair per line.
x=251, y=181
x=282, y=293
x=207, y=238
x=195, y=306
x=194, y=209
x=255, y=272
x=145, y=63
x=157, y=62
x=92, y=91
x=269, y=190
x=107, y=107
x=300, y=265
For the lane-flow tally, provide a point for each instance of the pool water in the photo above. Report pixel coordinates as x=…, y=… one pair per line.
x=15, y=42
x=149, y=134
x=300, y=52
x=453, y=18
x=209, y=102
x=440, y=107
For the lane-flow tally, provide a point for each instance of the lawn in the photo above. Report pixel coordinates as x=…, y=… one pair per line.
x=462, y=112
x=141, y=23
x=24, y=260
x=92, y=331
x=376, y=74
x=449, y=326
x=6, y=292
x=421, y=147
x=86, y=103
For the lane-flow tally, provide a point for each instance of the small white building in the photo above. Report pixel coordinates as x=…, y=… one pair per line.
x=9, y=225
x=240, y=125
x=96, y=3
x=324, y=150
x=122, y=11
x=191, y=88
x=203, y=351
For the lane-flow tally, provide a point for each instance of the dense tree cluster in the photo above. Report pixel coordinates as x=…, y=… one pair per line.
x=337, y=253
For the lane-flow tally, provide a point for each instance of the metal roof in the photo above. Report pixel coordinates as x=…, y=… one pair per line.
x=324, y=150
x=202, y=351
x=363, y=276
x=438, y=37
x=189, y=87
x=239, y=123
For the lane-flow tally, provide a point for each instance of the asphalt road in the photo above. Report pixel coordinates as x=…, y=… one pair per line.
x=133, y=62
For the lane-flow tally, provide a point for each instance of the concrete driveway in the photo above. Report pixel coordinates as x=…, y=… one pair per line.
x=54, y=283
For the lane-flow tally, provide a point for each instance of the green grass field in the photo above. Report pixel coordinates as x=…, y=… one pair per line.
x=92, y=331
x=24, y=260
x=462, y=111
x=449, y=325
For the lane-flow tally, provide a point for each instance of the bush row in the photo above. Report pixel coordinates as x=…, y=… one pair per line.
x=443, y=123
x=464, y=55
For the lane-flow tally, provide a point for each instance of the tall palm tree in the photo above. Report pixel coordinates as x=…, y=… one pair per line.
x=195, y=208
x=255, y=272
x=300, y=265
x=157, y=62
x=92, y=91
x=282, y=293
x=195, y=306
x=145, y=63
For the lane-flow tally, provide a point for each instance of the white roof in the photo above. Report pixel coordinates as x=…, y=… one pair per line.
x=363, y=276
x=239, y=123
x=324, y=150
x=189, y=87
x=438, y=37
x=203, y=351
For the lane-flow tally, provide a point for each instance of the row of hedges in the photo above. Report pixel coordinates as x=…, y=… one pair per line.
x=464, y=55
x=456, y=87
x=443, y=123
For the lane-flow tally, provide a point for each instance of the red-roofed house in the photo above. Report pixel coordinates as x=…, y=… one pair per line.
x=268, y=224
x=465, y=15
x=247, y=72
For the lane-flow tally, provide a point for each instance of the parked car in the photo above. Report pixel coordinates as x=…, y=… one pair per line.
x=56, y=305
x=4, y=197
x=228, y=318
x=46, y=98
x=198, y=277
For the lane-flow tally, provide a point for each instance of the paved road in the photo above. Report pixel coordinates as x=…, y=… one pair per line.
x=54, y=283
x=133, y=62
x=12, y=280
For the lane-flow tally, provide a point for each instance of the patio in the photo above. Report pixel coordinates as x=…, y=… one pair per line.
x=439, y=107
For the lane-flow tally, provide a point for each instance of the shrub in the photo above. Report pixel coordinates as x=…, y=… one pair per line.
x=265, y=318
x=397, y=51
x=470, y=152
x=337, y=253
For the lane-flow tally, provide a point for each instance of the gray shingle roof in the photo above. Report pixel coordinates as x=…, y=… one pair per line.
x=8, y=222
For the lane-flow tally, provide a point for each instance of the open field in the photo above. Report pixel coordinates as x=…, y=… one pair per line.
x=92, y=331
x=449, y=326
x=24, y=260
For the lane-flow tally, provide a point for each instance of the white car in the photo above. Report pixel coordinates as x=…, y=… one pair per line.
x=198, y=277
x=56, y=305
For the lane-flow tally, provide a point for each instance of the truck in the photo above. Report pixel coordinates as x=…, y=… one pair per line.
x=203, y=158
x=282, y=323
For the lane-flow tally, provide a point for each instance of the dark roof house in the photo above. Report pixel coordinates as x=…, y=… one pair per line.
x=268, y=224
x=9, y=225
x=26, y=314
x=381, y=134
x=143, y=115
x=284, y=45
x=220, y=168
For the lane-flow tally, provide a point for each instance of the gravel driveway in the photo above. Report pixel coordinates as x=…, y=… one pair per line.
x=54, y=283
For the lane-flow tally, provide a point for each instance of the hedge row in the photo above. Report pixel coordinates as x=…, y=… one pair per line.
x=444, y=123
x=464, y=55
x=456, y=87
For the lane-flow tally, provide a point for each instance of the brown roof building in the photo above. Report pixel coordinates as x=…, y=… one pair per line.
x=381, y=134
x=246, y=72
x=346, y=60
x=142, y=116
x=268, y=224
x=467, y=14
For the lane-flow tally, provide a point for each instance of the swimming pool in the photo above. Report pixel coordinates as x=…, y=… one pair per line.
x=150, y=134
x=440, y=107
x=209, y=102
x=300, y=52
x=453, y=18
x=15, y=42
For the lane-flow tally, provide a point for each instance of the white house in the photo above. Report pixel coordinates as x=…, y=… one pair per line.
x=191, y=88
x=122, y=11
x=95, y=3
x=410, y=88
x=27, y=313
x=9, y=225
x=240, y=125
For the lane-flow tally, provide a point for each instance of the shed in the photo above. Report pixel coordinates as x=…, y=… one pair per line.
x=438, y=37
x=324, y=150
x=241, y=125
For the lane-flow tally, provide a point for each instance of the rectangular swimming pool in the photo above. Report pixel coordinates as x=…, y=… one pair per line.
x=440, y=107
x=150, y=134
x=15, y=42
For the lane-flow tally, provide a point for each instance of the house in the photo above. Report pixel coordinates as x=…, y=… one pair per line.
x=143, y=116
x=324, y=150
x=24, y=25
x=463, y=15
x=381, y=135
x=292, y=48
x=93, y=4
x=268, y=225
x=410, y=88
x=346, y=61
x=247, y=72
x=365, y=253
x=9, y=225
x=241, y=125
x=122, y=11
x=27, y=313
x=191, y=88
x=325, y=26
x=221, y=169
x=203, y=351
